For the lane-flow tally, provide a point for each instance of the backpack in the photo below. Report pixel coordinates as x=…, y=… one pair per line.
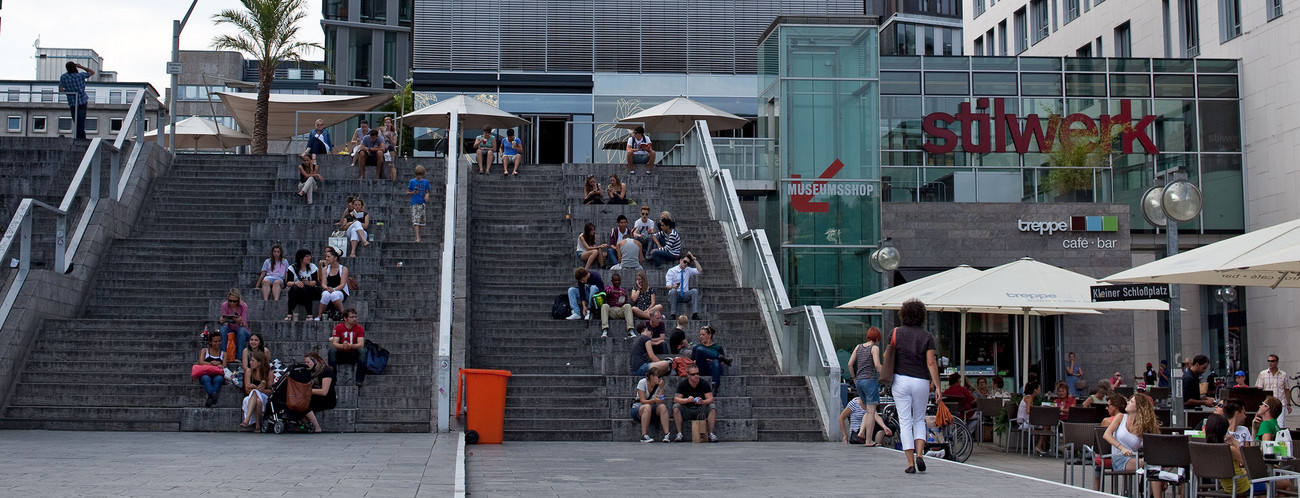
x=376, y=358
x=680, y=363
x=560, y=308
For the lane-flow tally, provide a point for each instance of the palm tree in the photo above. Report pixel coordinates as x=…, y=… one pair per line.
x=266, y=30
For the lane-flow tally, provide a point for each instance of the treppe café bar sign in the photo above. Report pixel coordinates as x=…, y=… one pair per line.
x=986, y=132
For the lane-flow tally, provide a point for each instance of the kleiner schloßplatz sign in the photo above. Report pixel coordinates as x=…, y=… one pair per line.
x=985, y=132
x=1127, y=292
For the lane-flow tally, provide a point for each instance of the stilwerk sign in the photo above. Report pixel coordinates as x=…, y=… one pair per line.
x=983, y=132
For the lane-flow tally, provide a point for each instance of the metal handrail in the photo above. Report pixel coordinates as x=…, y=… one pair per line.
x=446, y=288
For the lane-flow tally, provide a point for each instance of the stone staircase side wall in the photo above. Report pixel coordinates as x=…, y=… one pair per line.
x=460, y=292
x=53, y=294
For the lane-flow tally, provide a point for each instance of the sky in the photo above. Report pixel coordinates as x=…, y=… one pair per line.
x=133, y=36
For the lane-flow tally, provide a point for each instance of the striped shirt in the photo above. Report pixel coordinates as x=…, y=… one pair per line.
x=673, y=244
x=75, y=82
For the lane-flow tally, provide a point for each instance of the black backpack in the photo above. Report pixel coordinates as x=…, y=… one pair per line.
x=560, y=309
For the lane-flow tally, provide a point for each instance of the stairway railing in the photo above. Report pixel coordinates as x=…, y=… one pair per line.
x=445, y=289
x=799, y=335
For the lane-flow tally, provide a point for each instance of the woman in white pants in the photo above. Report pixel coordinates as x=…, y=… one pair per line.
x=356, y=221
x=916, y=373
x=334, y=282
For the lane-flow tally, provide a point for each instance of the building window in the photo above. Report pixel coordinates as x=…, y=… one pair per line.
x=1191, y=25
x=65, y=124
x=1022, y=31
x=979, y=45
x=990, y=42
x=1097, y=48
x=90, y=96
x=1123, y=41
x=979, y=7
x=38, y=124
x=13, y=94
x=1040, y=24
x=1230, y=16
x=130, y=96
x=114, y=125
x=1084, y=51
x=92, y=125
x=1002, y=38
x=15, y=124
x=1274, y=9
x=295, y=74
x=1071, y=10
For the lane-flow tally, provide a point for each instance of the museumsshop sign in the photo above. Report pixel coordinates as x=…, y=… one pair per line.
x=986, y=132
x=1076, y=226
x=801, y=193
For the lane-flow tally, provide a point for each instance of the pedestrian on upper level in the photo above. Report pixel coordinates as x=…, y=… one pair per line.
x=864, y=362
x=1274, y=380
x=73, y=85
x=916, y=374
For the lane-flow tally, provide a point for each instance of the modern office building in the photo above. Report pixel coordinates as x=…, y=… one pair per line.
x=1258, y=35
x=920, y=27
x=207, y=72
x=368, y=43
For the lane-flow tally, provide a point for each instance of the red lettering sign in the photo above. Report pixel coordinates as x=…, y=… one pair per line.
x=976, y=128
x=803, y=203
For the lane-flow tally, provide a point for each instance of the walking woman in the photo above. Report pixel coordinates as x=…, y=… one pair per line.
x=865, y=365
x=916, y=373
x=1072, y=373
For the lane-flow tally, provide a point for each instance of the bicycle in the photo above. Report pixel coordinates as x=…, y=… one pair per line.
x=955, y=438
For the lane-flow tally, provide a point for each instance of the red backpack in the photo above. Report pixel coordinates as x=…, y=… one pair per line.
x=680, y=363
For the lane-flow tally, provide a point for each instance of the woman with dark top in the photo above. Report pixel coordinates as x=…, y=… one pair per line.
x=304, y=290
x=590, y=252
x=865, y=365
x=356, y=221
x=309, y=178
x=711, y=357
x=334, y=277
x=257, y=386
x=643, y=298
x=916, y=373
x=214, y=355
x=322, y=387
x=1072, y=373
x=616, y=191
x=256, y=347
x=591, y=191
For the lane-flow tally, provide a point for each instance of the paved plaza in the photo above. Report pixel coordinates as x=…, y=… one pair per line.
x=734, y=469
x=54, y=463
x=92, y=464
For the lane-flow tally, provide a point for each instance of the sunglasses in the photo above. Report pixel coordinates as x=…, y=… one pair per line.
x=1272, y=361
x=696, y=374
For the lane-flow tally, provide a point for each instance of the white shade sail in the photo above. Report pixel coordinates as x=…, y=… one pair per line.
x=473, y=115
x=283, y=110
x=198, y=133
x=679, y=115
x=1268, y=257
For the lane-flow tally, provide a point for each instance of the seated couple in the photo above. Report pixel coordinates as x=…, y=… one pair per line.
x=694, y=401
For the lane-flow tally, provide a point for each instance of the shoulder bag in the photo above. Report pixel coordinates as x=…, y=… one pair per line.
x=887, y=362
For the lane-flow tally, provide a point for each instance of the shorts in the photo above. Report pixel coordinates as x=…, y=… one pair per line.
x=641, y=370
x=273, y=278
x=1118, y=462
x=695, y=412
x=869, y=391
x=636, y=415
x=417, y=215
x=640, y=157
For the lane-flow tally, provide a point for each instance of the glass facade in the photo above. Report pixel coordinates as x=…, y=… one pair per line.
x=819, y=89
x=1189, y=113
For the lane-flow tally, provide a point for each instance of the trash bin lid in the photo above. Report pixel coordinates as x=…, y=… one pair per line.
x=480, y=371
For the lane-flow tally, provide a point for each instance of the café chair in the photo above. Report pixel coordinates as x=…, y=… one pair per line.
x=1076, y=439
x=1101, y=469
x=1213, y=461
x=1043, y=421
x=1258, y=472
x=1168, y=451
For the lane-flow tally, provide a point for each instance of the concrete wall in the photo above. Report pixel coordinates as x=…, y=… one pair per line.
x=52, y=294
x=941, y=235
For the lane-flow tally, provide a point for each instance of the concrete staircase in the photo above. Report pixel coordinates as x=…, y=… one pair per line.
x=209, y=225
x=40, y=168
x=570, y=384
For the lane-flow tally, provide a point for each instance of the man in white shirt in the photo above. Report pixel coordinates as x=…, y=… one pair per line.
x=1274, y=380
x=680, y=287
x=643, y=230
x=640, y=151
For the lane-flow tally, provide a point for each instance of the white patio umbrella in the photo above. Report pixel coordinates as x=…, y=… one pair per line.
x=893, y=298
x=679, y=115
x=1026, y=287
x=199, y=133
x=1267, y=257
x=473, y=114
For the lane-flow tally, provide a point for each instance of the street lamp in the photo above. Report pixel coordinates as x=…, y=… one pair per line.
x=1226, y=295
x=1178, y=200
x=886, y=258
x=174, y=69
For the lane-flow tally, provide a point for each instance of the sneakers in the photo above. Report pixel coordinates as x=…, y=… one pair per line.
x=667, y=439
x=678, y=438
x=631, y=333
x=574, y=316
x=725, y=360
x=645, y=438
x=695, y=316
x=713, y=438
x=587, y=316
x=604, y=333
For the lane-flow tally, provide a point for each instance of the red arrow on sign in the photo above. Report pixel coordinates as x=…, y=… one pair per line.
x=803, y=203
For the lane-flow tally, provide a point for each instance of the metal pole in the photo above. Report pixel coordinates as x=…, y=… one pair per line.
x=1175, y=315
x=1227, y=341
x=177, y=27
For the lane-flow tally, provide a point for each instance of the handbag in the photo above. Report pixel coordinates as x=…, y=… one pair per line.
x=339, y=241
x=887, y=363
x=942, y=417
x=298, y=396
x=353, y=284
x=197, y=371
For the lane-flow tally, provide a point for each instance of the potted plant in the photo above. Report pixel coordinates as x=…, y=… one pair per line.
x=1075, y=154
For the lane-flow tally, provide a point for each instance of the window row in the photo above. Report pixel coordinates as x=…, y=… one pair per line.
x=40, y=124
x=1056, y=84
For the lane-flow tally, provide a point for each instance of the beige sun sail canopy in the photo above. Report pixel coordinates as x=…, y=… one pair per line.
x=332, y=109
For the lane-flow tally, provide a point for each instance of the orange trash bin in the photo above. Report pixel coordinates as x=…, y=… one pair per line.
x=485, y=402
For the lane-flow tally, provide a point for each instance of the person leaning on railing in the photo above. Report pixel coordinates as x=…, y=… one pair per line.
x=74, y=82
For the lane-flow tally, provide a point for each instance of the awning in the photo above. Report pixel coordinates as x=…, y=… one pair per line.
x=283, y=110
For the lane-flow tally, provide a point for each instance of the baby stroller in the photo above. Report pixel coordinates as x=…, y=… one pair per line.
x=287, y=404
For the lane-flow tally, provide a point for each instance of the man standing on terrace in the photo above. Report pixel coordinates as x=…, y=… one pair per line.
x=75, y=82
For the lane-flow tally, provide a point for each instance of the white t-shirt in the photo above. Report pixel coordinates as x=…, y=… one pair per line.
x=1242, y=433
x=636, y=144
x=648, y=225
x=641, y=386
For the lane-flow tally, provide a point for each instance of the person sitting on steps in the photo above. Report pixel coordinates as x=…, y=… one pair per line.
x=334, y=278
x=323, y=396
x=616, y=305
x=309, y=178
x=643, y=230
x=304, y=289
x=589, y=252
x=650, y=402
x=346, y=344
x=271, y=278
x=234, y=319
x=580, y=295
x=670, y=247
x=643, y=298
x=640, y=151
x=510, y=153
x=486, y=145
x=694, y=401
x=371, y=151
x=681, y=286
x=357, y=221
x=257, y=386
x=711, y=358
x=616, y=191
x=214, y=353
x=642, y=357
x=591, y=193
x=616, y=236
